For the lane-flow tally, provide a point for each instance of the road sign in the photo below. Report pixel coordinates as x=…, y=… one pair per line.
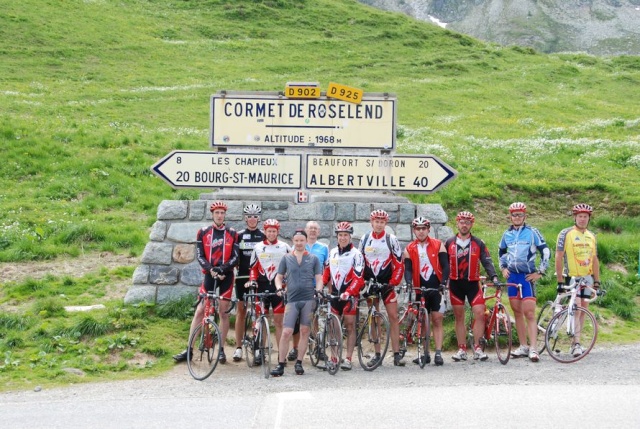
x=345, y=93
x=302, y=90
x=398, y=173
x=269, y=120
x=193, y=169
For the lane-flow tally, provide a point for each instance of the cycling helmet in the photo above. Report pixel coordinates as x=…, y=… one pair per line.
x=380, y=214
x=344, y=227
x=466, y=215
x=252, y=209
x=582, y=208
x=218, y=205
x=518, y=207
x=271, y=223
x=421, y=221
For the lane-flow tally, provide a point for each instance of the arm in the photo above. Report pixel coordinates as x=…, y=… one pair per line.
x=559, y=265
x=200, y=253
x=443, y=257
x=278, y=281
x=487, y=262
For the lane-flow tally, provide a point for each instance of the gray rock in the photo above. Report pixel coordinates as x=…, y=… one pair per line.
x=191, y=274
x=170, y=210
x=184, y=232
x=140, y=293
x=161, y=275
x=141, y=274
x=158, y=231
x=170, y=293
x=157, y=253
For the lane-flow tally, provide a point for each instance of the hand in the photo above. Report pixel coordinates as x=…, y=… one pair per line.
x=560, y=287
x=442, y=287
x=596, y=285
x=505, y=273
x=280, y=292
x=251, y=283
x=344, y=296
x=217, y=270
x=495, y=279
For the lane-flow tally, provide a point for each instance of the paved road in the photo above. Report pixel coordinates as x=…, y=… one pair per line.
x=599, y=391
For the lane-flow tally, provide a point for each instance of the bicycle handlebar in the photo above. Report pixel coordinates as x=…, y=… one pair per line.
x=214, y=296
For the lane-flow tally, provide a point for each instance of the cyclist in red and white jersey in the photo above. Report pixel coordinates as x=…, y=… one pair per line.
x=343, y=274
x=264, y=266
x=466, y=253
x=383, y=263
x=217, y=253
x=426, y=265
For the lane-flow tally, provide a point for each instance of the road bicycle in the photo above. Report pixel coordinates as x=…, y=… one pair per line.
x=256, y=341
x=326, y=337
x=572, y=331
x=203, y=352
x=497, y=322
x=547, y=311
x=372, y=340
x=414, y=324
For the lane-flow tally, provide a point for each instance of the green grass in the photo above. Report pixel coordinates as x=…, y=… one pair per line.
x=92, y=93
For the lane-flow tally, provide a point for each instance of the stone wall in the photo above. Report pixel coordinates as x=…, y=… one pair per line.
x=169, y=269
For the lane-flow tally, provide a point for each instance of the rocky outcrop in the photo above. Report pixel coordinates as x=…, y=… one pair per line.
x=599, y=27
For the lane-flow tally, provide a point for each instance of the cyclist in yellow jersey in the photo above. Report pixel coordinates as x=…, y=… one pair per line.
x=577, y=256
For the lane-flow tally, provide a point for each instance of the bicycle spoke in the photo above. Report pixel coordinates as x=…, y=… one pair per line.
x=569, y=338
x=373, y=341
x=333, y=344
x=265, y=346
x=248, y=342
x=502, y=334
x=204, y=351
x=546, y=313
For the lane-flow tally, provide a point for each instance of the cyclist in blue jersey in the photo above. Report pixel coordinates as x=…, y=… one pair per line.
x=517, y=251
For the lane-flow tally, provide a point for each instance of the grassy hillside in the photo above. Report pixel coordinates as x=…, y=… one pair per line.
x=93, y=92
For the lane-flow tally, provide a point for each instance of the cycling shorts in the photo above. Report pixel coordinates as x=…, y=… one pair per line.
x=389, y=295
x=274, y=301
x=528, y=288
x=433, y=300
x=225, y=288
x=465, y=289
x=301, y=309
x=343, y=308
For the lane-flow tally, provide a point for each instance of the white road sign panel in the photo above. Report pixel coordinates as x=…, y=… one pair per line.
x=398, y=173
x=268, y=119
x=194, y=169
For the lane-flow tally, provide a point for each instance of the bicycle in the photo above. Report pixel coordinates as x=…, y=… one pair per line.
x=497, y=323
x=547, y=311
x=372, y=340
x=257, y=336
x=572, y=326
x=325, y=339
x=203, y=351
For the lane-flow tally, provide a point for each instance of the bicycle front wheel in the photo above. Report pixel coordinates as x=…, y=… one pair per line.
x=570, y=337
x=545, y=315
x=423, y=337
x=249, y=341
x=333, y=343
x=373, y=341
x=204, y=350
x=264, y=344
x=502, y=334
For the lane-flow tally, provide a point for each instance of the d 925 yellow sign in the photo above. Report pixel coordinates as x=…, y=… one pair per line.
x=345, y=93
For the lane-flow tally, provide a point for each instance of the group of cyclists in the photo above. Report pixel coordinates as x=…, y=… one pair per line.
x=426, y=264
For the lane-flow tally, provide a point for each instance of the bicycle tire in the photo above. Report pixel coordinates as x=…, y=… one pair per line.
x=333, y=343
x=264, y=336
x=374, y=331
x=406, y=324
x=249, y=341
x=203, y=352
x=502, y=334
x=545, y=315
x=560, y=338
x=423, y=337
x=313, y=348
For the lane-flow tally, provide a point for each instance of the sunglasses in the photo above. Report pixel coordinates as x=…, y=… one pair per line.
x=517, y=214
x=465, y=222
x=253, y=216
x=421, y=228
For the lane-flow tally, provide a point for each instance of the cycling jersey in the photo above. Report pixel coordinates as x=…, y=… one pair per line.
x=383, y=258
x=265, y=259
x=517, y=250
x=426, y=260
x=344, y=270
x=580, y=249
x=321, y=250
x=217, y=247
x=247, y=240
x=466, y=256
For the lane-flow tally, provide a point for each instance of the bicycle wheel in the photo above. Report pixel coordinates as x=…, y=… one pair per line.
x=204, y=350
x=545, y=315
x=313, y=348
x=373, y=334
x=333, y=343
x=565, y=340
x=249, y=341
x=423, y=337
x=502, y=334
x=264, y=344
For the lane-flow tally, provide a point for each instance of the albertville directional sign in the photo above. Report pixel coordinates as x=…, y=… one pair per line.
x=398, y=173
x=269, y=120
x=193, y=169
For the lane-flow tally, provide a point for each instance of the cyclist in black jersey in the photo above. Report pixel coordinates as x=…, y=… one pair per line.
x=247, y=239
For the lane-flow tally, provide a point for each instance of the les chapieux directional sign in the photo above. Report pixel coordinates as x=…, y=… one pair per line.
x=195, y=169
x=269, y=119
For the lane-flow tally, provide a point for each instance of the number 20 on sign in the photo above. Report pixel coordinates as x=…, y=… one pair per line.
x=345, y=93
